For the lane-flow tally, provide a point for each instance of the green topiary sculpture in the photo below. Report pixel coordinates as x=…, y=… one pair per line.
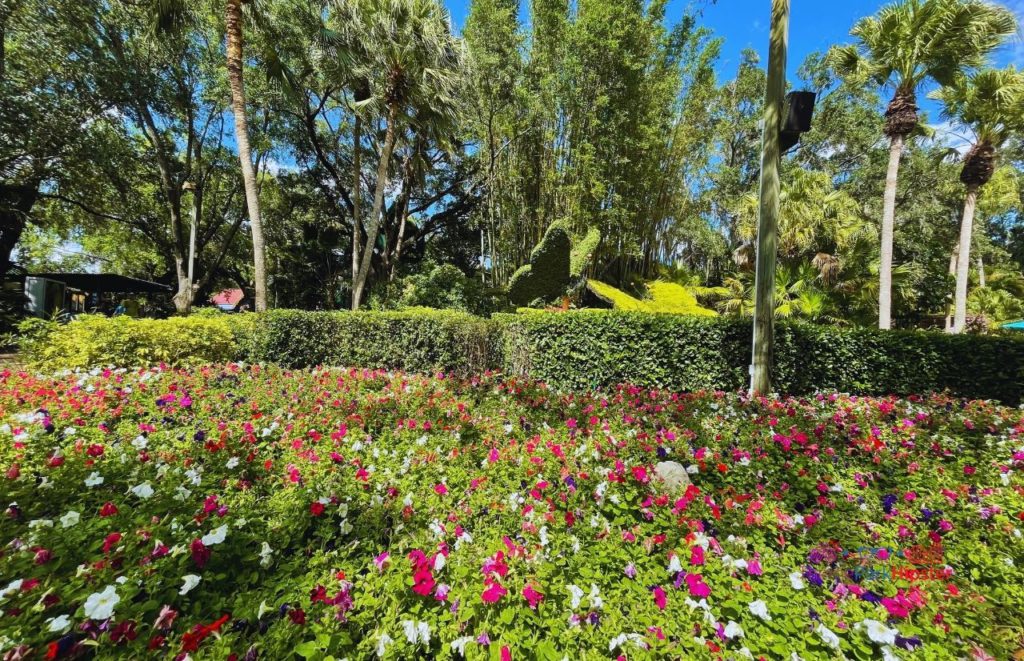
x=547, y=276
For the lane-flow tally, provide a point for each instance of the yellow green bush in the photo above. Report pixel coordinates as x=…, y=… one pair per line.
x=666, y=297
x=94, y=340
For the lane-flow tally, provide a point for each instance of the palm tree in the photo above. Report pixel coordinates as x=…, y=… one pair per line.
x=176, y=15
x=235, y=43
x=414, y=67
x=990, y=103
x=907, y=44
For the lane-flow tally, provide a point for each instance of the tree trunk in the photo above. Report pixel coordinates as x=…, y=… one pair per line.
x=888, y=225
x=373, y=227
x=183, y=297
x=357, y=196
x=981, y=271
x=963, y=262
x=952, y=273
x=233, y=21
x=15, y=204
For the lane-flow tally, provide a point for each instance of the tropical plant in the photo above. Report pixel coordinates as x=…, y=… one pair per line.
x=814, y=216
x=415, y=70
x=905, y=45
x=989, y=103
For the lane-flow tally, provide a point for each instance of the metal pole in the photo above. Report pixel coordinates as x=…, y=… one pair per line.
x=768, y=219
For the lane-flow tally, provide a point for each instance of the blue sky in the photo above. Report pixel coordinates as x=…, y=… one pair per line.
x=814, y=25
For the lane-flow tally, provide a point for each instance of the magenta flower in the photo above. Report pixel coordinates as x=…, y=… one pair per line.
x=660, y=600
x=532, y=596
x=698, y=588
x=493, y=592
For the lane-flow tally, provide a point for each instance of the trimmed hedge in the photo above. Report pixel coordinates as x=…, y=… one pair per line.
x=419, y=340
x=589, y=349
x=570, y=351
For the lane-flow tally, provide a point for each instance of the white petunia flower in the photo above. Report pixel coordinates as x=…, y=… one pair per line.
x=674, y=566
x=760, y=609
x=94, y=480
x=797, y=581
x=232, y=463
x=623, y=638
x=459, y=644
x=11, y=588
x=265, y=553
x=828, y=636
x=383, y=641
x=733, y=630
x=595, y=597
x=143, y=491
x=70, y=519
x=58, y=624
x=189, y=581
x=877, y=632
x=100, y=605
x=140, y=442
x=215, y=536
x=577, y=595
x=416, y=632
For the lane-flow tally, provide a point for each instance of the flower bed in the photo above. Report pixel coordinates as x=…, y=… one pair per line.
x=236, y=512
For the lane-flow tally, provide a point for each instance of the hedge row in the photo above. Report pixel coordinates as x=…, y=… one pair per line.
x=420, y=340
x=594, y=348
x=570, y=351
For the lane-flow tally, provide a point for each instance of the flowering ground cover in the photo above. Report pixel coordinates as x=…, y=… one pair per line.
x=244, y=512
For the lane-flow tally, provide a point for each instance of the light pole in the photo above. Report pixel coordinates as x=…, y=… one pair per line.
x=768, y=217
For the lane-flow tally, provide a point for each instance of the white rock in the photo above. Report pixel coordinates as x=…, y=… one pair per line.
x=673, y=475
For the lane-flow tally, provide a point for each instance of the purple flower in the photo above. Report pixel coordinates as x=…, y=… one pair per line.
x=911, y=643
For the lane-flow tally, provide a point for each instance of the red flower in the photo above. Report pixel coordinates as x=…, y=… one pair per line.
x=316, y=508
x=108, y=509
x=298, y=616
x=111, y=540
x=124, y=632
x=200, y=553
x=191, y=640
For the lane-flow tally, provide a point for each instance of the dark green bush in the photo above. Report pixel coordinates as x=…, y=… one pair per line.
x=419, y=340
x=443, y=287
x=600, y=348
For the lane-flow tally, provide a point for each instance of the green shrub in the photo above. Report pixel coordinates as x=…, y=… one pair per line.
x=443, y=287
x=95, y=340
x=593, y=348
x=415, y=340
